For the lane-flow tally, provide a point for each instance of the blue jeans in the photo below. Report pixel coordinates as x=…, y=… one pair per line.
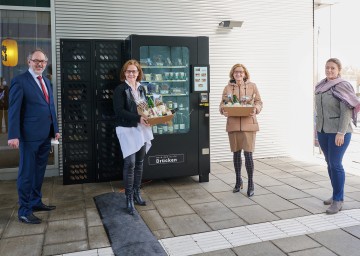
x=133, y=170
x=333, y=157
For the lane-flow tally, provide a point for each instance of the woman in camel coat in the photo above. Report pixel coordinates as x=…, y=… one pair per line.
x=242, y=130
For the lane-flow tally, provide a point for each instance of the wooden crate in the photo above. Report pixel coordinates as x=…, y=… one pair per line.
x=160, y=119
x=239, y=111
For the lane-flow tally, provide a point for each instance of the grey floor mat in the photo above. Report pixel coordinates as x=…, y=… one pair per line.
x=128, y=234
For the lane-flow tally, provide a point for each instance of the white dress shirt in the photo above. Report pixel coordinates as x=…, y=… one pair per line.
x=37, y=80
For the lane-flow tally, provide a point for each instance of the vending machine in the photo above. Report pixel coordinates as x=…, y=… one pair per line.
x=177, y=69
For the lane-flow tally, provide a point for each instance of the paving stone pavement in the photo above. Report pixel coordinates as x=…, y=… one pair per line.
x=285, y=190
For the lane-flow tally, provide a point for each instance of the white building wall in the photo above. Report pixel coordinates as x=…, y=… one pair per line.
x=275, y=43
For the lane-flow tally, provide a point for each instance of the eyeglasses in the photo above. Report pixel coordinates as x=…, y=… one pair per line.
x=39, y=61
x=239, y=72
x=131, y=71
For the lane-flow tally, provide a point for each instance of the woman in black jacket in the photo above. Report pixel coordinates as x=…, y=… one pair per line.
x=132, y=129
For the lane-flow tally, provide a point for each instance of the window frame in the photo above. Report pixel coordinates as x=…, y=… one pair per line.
x=51, y=170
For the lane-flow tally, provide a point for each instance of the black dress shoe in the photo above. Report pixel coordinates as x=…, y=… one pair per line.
x=30, y=219
x=44, y=208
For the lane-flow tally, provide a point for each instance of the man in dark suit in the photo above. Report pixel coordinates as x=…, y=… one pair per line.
x=32, y=124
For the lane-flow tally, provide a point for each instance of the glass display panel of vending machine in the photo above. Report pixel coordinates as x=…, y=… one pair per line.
x=166, y=75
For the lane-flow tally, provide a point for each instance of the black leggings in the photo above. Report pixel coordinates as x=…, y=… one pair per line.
x=249, y=164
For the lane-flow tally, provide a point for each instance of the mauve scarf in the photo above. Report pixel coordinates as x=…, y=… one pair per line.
x=343, y=91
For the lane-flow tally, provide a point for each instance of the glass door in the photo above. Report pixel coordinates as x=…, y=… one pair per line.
x=166, y=75
x=21, y=32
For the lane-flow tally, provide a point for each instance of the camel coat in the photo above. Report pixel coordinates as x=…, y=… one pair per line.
x=242, y=130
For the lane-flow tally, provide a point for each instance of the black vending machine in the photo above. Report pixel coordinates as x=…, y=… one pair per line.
x=177, y=68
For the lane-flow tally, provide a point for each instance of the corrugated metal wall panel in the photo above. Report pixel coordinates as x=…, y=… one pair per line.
x=263, y=44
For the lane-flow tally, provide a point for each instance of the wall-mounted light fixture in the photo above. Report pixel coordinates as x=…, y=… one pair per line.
x=323, y=3
x=9, y=52
x=230, y=24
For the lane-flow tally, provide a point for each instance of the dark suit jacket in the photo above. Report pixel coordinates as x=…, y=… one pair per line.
x=31, y=118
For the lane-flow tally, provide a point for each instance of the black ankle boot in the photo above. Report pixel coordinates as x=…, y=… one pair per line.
x=250, y=192
x=130, y=204
x=238, y=187
x=137, y=198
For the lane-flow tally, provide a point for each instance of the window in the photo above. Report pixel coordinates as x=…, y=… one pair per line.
x=36, y=3
x=30, y=30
